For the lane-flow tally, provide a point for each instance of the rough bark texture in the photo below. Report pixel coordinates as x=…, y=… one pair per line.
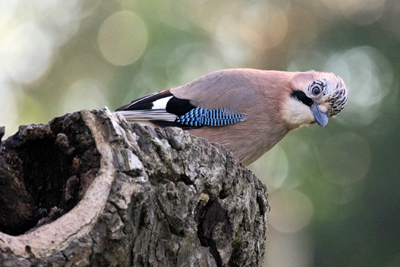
x=88, y=189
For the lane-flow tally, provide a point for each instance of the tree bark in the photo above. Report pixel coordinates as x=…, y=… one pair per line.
x=89, y=189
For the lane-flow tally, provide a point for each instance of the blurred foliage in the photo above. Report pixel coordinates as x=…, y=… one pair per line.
x=334, y=192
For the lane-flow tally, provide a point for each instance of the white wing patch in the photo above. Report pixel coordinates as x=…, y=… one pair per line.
x=161, y=103
x=156, y=113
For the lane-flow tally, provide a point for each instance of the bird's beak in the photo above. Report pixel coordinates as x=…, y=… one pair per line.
x=320, y=117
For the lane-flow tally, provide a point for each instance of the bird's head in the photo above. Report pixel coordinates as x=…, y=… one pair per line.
x=314, y=97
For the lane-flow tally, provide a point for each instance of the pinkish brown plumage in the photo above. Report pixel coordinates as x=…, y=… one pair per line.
x=247, y=111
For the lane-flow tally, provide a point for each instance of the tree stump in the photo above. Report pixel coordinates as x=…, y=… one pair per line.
x=89, y=189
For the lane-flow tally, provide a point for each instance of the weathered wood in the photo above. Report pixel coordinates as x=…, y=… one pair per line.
x=113, y=194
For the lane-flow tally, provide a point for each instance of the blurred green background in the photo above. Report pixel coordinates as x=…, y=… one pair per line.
x=334, y=192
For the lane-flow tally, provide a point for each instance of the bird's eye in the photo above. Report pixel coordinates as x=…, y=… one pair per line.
x=316, y=90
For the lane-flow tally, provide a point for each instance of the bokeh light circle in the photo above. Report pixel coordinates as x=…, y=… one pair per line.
x=345, y=158
x=122, y=38
x=27, y=53
x=263, y=26
x=84, y=94
x=272, y=168
x=191, y=61
x=291, y=210
x=369, y=76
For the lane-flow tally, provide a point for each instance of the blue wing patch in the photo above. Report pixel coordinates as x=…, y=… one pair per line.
x=199, y=117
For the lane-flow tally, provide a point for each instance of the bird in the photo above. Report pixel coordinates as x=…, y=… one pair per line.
x=248, y=111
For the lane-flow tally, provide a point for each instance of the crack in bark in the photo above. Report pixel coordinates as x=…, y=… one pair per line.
x=207, y=217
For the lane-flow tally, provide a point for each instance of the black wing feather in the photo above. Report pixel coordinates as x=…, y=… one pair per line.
x=179, y=106
x=145, y=102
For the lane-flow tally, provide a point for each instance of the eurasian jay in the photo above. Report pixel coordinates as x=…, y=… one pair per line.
x=247, y=111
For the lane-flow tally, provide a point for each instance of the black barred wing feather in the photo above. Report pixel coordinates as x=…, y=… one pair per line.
x=199, y=117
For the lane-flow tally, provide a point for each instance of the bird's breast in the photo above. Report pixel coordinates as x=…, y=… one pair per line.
x=246, y=140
